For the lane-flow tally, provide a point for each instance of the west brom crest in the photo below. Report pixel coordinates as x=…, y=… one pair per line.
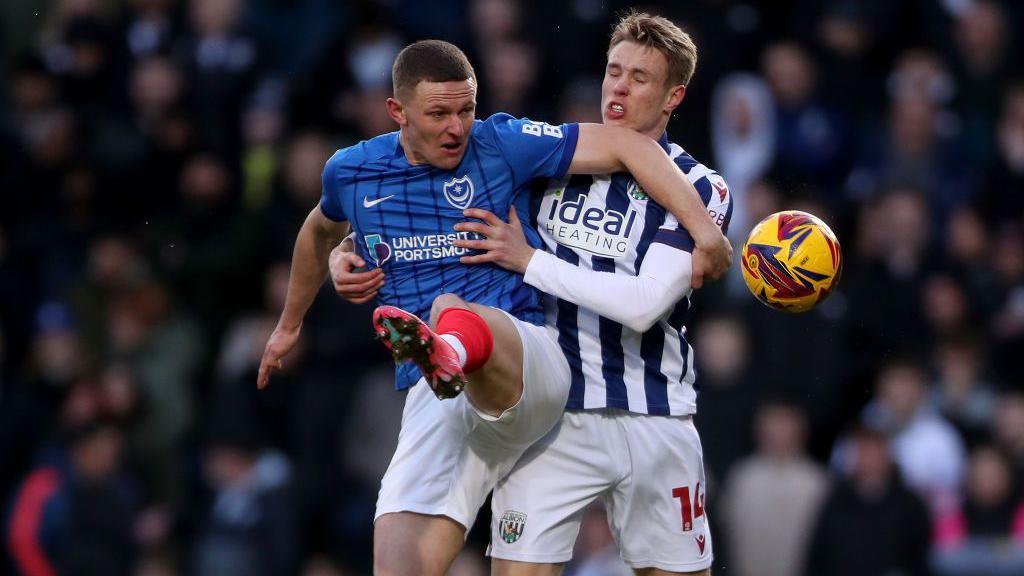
x=634, y=190
x=512, y=525
x=459, y=192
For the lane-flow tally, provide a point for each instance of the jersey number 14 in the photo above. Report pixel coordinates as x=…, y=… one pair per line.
x=689, y=513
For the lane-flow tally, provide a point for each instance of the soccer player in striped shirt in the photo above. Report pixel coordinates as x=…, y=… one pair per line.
x=617, y=269
x=403, y=193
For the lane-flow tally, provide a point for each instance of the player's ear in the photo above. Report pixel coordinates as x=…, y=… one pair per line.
x=675, y=97
x=397, y=112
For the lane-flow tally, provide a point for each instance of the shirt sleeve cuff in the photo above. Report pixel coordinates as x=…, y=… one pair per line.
x=679, y=239
x=572, y=135
x=330, y=215
x=536, y=269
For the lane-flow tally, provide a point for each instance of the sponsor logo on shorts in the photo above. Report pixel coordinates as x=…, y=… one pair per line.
x=512, y=525
x=700, y=543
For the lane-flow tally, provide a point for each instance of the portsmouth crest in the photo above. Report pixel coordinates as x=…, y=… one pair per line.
x=459, y=192
x=378, y=249
x=512, y=525
x=635, y=191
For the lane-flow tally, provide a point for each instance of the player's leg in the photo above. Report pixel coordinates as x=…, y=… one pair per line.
x=657, y=514
x=537, y=509
x=501, y=567
x=494, y=351
x=408, y=544
x=431, y=491
x=467, y=346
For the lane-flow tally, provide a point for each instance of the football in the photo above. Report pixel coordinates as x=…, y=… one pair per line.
x=791, y=261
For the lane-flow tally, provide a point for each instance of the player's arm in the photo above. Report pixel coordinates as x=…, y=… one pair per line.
x=602, y=149
x=663, y=279
x=313, y=245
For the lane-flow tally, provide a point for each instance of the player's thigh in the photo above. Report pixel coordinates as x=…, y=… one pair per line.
x=544, y=380
x=657, y=515
x=659, y=572
x=406, y=543
x=537, y=508
x=434, y=470
x=501, y=567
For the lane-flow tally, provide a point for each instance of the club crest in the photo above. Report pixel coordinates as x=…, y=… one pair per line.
x=635, y=191
x=459, y=192
x=377, y=249
x=512, y=525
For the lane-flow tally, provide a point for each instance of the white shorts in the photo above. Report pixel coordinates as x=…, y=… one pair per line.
x=647, y=470
x=450, y=455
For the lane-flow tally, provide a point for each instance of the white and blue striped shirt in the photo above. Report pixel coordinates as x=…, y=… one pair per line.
x=607, y=224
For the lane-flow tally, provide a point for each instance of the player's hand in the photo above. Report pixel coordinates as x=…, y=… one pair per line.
x=712, y=257
x=356, y=287
x=281, y=342
x=504, y=243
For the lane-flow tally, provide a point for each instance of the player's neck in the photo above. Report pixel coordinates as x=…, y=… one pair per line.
x=410, y=153
x=658, y=130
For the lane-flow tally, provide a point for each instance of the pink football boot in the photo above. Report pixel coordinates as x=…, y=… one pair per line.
x=409, y=338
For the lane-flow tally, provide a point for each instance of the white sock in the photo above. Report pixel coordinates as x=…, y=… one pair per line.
x=457, y=345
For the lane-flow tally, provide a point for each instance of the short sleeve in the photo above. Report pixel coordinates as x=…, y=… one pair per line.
x=330, y=200
x=534, y=149
x=671, y=233
x=714, y=192
x=719, y=200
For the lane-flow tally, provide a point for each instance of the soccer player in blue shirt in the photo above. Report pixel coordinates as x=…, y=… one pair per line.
x=403, y=193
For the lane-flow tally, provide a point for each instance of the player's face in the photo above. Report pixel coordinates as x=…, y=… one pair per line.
x=635, y=92
x=438, y=117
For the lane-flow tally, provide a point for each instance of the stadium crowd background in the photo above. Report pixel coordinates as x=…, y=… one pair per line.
x=158, y=156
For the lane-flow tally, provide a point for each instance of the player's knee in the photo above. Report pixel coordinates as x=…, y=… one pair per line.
x=442, y=303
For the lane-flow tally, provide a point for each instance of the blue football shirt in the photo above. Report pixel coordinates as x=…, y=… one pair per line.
x=404, y=214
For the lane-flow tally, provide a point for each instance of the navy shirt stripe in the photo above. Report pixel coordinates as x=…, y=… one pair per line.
x=652, y=345
x=613, y=367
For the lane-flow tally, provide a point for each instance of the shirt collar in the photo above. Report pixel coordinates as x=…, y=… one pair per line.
x=664, y=142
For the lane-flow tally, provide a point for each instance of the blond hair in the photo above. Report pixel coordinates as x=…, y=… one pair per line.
x=661, y=34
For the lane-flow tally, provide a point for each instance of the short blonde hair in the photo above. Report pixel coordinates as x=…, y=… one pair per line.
x=660, y=33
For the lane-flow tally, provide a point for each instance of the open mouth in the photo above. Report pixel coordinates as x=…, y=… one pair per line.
x=616, y=110
x=451, y=147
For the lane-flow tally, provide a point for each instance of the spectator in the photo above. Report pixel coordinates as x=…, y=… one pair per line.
x=249, y=527
x=870, y=523
x=960, y=392
x=74, y=514
x=925, y=447
x=1002, y=197
x=743, y=136
x=982, y=61
x=810, y=135
x=728, y=393
x=772, y=498
x=1008, y=428
x=595, y=553
x=985, y=535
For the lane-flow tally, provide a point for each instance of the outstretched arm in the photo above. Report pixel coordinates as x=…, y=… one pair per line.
x=602, y=149
x=663, y=279
x=313, y=245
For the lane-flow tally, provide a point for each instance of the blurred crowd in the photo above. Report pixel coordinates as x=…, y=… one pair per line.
x=157, y=158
